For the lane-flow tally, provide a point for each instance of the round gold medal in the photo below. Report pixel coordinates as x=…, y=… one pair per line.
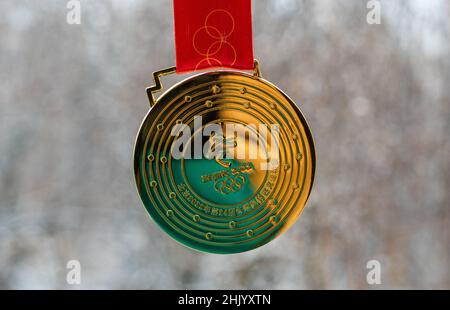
x=224, y=161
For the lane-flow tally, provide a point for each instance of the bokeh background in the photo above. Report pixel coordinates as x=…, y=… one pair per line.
x=377, y=98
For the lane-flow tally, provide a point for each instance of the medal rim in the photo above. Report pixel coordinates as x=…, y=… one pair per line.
x=162, y=224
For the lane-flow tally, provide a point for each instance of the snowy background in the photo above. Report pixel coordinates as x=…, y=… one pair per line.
x=377, y=97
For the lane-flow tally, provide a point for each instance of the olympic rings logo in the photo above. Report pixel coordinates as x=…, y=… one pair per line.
x=220, y=42
x=230, y=185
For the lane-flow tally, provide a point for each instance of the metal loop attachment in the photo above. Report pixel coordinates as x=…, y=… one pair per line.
x=159, y=87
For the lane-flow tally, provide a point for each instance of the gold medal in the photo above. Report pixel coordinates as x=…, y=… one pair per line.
x=224, y=161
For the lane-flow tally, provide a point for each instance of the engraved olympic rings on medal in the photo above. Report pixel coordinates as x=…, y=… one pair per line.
x=219, y=38
x=230, y=184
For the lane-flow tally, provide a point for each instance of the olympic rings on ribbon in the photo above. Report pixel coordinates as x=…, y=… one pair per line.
x=220, y=40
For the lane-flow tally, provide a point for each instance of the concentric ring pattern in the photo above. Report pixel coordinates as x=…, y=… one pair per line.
x=225, y=205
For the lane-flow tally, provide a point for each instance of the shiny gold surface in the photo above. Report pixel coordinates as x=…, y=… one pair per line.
x=224, y=205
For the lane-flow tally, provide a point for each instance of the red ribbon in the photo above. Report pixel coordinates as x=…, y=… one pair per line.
x=213, y=33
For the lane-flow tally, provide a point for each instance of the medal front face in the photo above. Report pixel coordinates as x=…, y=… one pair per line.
x=224, y=162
